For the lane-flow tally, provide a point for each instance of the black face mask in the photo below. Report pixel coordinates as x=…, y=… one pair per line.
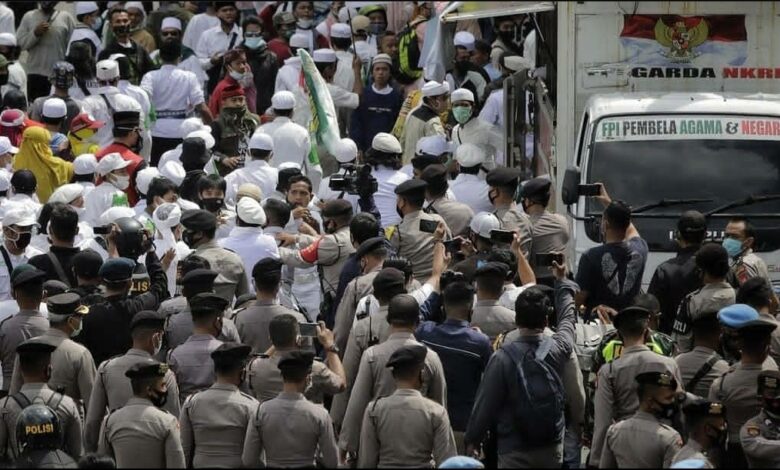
x=139, y=144
x=3, y=79
x=121, y=30
x=398, y=210
x=666, y=411
x=23, y=241
x=188, y=237
x=212, y=204
x=772, y=407
x=158, y=399
x=508, y=37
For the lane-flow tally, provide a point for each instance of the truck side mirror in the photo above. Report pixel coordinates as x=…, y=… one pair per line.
x=570, y=188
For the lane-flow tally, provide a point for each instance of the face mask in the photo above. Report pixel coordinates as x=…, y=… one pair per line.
x=305, y=23
x=255, y=43
x=234, y=113
x=461, y=113
x=77, y=331
x=98, y=25
x=121, y=30
x=22, y=240
x=666, y=411
x=188, y=238
x=507, y=37
x=212, y=204
x=398, y=210
x=237, y=76
x=376, y=28
x=732, y=246
x=158, y=398
x=121, y=182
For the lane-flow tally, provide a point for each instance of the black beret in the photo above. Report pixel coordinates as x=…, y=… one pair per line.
x=369, y=245
x=537, y=187
x=117, y=269
x=630, y=312
x=66, y=304
x=503, y=177
x=207, y=303
x=663, y=379
x=389, y=279
x=146, y=369
x=266, y=266
x=704, y=408
x=767, y=380
x=408, y=356
x=36, y=345
x=199, y=220
x=337, y=207
x=492, y=268
x=296, y=361
x=25, y=273
x=127, y=119
x=231, y=353
x=199, y=276
x=147, y=318
x=412, y=187
x=757, y=326
x=434, y=173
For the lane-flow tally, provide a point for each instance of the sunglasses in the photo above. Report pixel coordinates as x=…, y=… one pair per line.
x=253, y=35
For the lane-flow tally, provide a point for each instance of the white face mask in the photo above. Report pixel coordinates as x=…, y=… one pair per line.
x=305, y=23
x=237, y=76
x=121, y=182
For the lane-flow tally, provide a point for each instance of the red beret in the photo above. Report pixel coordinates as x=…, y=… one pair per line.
x=231, y=91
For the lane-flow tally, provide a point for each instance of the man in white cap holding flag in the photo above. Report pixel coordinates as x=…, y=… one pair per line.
x=257, y=169
x=425, y=121
x=113, y=169
x=289, y=74
x=470, y=129
x=88, y=21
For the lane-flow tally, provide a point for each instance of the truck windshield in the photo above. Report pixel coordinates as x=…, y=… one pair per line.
x=644, y=159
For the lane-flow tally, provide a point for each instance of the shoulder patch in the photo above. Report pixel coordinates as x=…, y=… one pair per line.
x=753, y=430
x=389, y=231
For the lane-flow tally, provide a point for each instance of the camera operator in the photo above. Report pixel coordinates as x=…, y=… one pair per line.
x=346, y=156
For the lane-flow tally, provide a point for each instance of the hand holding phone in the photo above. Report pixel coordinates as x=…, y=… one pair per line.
x=589, y=190
x=453, y=246
x=547, y=259
x=308, y=329
x=502, y=236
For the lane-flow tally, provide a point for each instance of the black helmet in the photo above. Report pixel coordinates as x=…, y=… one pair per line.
x=62, y=74
x=37, y=427
x=130, y=239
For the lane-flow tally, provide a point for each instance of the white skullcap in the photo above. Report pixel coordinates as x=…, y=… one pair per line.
x=174, y=171
x=462, y=94
x=6, y=147
x=144, y=178
x=345, y=13
x=483, y=222
x=167, y=215
x=67, y=193
x=299, y=40
x=250, y=211
x=191, y=125
x=387, y=143
x=171, y=22
x=85, y=164
x=205, y=135
x=7, y=40
x=107, y=70
x=382, y=59
x=360, y=22
x=435, y=145
x=5, y=181
x=327, y=56
x=340, y=30
x=464, y=39
x=187, y=205
x=137, y=6
x=346, y=151
x=261, y=141
x=516, y=62
x=54, y=108
x=19, y=216
x=116, y=56
x=286, y=165
x=283, y=100
x=82, y=8
x=434, y=88
x=111, y=162
x=112, y=214
x=469, y=155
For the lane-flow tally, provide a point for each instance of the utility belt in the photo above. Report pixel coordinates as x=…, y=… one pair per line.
x=171, y=114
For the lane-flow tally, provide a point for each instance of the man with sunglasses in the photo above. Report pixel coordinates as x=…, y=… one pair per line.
x=18, y=227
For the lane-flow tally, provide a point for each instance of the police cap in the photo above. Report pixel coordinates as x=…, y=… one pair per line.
x=630, y=312
x=433, y=174
x=147, y=369
x=37, y=345
x=369, y=246
x=661, y=379
x=26, y=273
x=117, y=269
x=147, y=319
x=87, y=263
x=758, y=327
x=537, y=188
x=66, y=304
x=296, y=361
x=199, y=220
x=199, y=276
x=412, y=187
x=207, y=303
x=407, y=356
x=337, y=208
x=769, y=381
x=231, y=353
x=501, y=177
x=702, y=408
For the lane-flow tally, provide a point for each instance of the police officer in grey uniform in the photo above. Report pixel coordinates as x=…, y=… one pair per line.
x=707, y=433
x=503, y=183
x=140, y=434
x=703, y=364
x=413, y=238
x=112, y=387
x=191, y=361
x=489, y=316
x=406, y=429
x=265, y=381
x=178, y=302
x=214, y=421
x=643, y=441
x=760, y=436
x=27, y=285
x=35, y=366
x=455, y=214
x=252, y=322
x=73, y=370
x=550, y=232
x=290, y=430
x=374, y=380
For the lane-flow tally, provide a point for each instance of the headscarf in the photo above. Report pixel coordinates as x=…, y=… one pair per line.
x=35, y=155
x=12, y=125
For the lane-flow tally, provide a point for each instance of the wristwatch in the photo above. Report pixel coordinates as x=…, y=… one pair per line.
x=333, y=348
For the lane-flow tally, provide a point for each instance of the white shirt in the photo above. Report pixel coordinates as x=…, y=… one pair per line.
x=82, y=32
x=326, y=194
x=5, y=272
x=493, y=112
x=343, y=98
x=88, y=187
x=23, y=201
x=472, y=190
x=255, y=171
x=17, y=78
x=96, y=107
x=485, y=135
x=198, y=25
x=7, y=20
x=288, y=76
x=252, y=245
x=344, y=77
x=385, y=197
x=215, y=41
x=174, y=93
x=99, y=200
x=291, y=141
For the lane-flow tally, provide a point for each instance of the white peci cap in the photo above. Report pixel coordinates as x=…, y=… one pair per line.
x=261, y=141
x=85, y=164
x=82, y=8
x=462, y=94
x=516, y=63
x=167, y=214
x=55, y=108
x=171, y=22
x=174, y=171
x=19, y=216
x=346, y=151
x=7, y=40
x=144, y=178
x=327, y=56
x=340, y=30
x=112, y=214
x=107, y=70
x=435, y=145
x=67, y=193
x=299, y=40
x=483, y=222
x=6, y=147
x=111, y=162
x=208, y=139
x=250, y=211
x=283, y=100
x=434, y=88
x=286, y=165
x=385, y=142
x=191, y=125
x=469, y=155
x=464, y=39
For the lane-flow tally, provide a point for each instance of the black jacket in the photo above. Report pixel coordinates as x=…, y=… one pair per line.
x=672, y=281
x=65, y=257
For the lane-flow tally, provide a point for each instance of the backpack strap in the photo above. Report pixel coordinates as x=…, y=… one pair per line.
x=8, y=265
x=545, y=345
x=54, y=401
x=58, y=268
x=21, y=400
x=703, y=370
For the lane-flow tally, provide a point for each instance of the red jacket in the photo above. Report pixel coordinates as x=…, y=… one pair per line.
x=136, y=164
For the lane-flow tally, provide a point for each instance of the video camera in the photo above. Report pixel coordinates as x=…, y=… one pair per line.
x=357, y=180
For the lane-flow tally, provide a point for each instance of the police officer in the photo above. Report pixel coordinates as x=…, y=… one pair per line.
x=414, y=237
x=550, y=232
x=140, y=434
x=455, y=214
x=191, y=360
x=39, y=436
x=706, y=425
x=73, y=369
x=703, y=364
x=35, y=365
x=27, y=287
x=214, y=421
x=488, y=315
x=112, y=388
x=291, y=431
x=503, y=184
x=406, y=428
x=740, y=241
x=760, y=436
x=643, y=441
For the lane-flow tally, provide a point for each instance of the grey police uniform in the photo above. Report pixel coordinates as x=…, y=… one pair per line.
x=760, y=438
x=213, y=426
x=333, y=251
x=252, y=323
x=709, y=298
x=14, y=330
x=140, y=435
x=232, y=279
x=640, y=442
x=492, y=318
x=692, y=450
x=64, y=407
x=405, y=430
x=415, y=245
x=179, y=328
x=357, y=288
x=291, y=431
x=265, y=379
x=456, y=215
x=374, y=380
x=704, y=364
x=513, y=219
x=192, y=364
x=550, y=234
x=112, y=390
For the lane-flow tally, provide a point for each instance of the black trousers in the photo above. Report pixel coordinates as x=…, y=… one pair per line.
x=37, y=86
x=160, y=145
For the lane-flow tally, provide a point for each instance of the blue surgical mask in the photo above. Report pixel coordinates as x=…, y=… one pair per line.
x=98, y=26
x=255, y=43
x=733, y=247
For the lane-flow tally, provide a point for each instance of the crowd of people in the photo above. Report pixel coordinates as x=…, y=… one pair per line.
x=190, y=278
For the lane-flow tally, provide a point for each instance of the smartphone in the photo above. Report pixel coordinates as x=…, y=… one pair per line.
x=101, y=230
x=428, y=226
x=453, y=246
x=502, y=236
x=308, y=329
x=546, y=259
x=589, y=189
